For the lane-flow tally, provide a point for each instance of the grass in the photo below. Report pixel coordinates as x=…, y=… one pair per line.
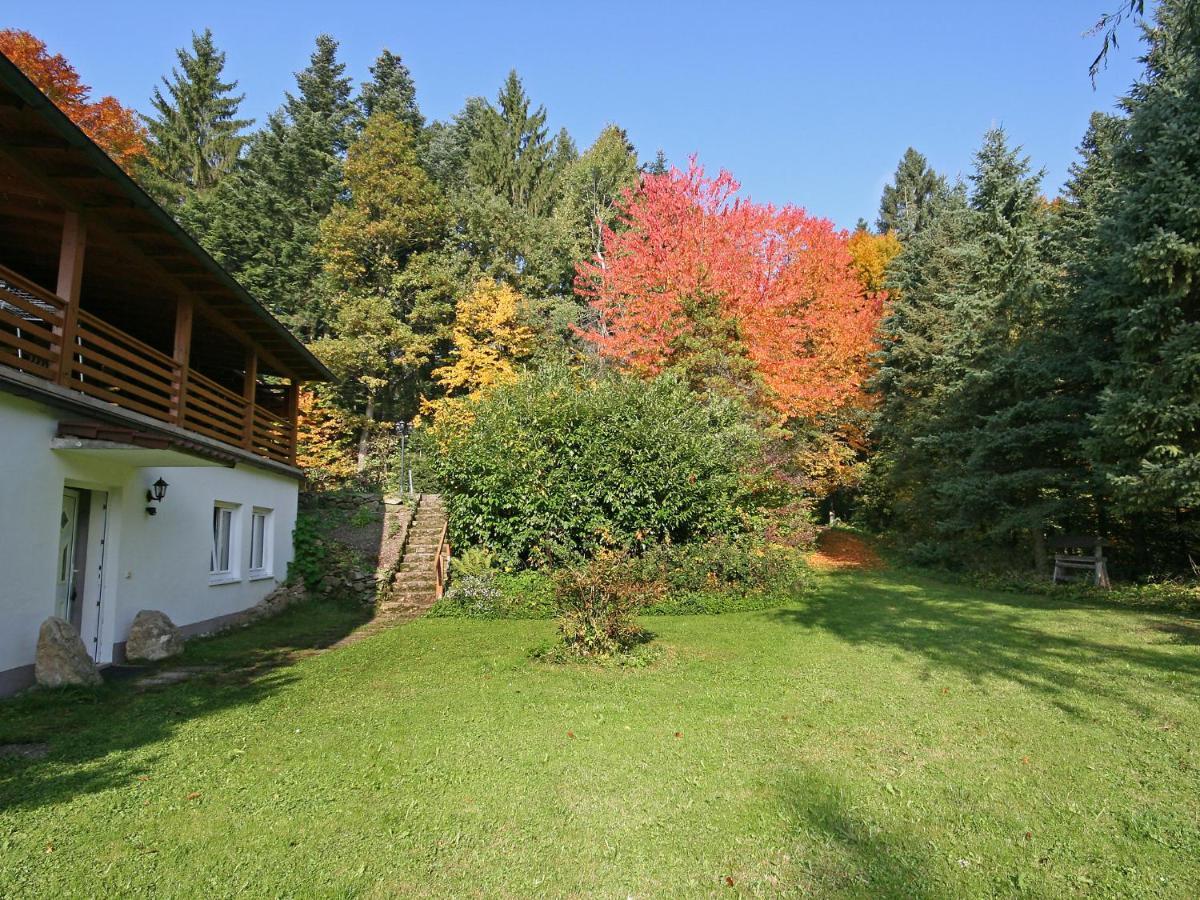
x=888, y=736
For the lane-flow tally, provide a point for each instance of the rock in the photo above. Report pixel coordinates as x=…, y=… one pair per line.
x=152, y=637
x=61, y=657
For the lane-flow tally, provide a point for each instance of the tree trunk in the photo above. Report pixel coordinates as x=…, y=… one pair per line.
x=365, y=434
x=1040, y=560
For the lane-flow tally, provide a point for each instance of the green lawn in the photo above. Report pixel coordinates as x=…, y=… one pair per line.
x=887, y=737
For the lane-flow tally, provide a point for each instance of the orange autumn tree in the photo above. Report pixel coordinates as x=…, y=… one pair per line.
x=693, y=274
x=115, y=128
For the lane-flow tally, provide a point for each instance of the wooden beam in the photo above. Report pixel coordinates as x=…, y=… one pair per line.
x=250, y=394
x=183, y=351
x=293, y=416
x=70, y=277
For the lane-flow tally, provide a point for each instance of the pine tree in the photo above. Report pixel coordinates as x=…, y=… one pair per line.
x=391, y=91
x=904, y=207
x=970, y=456
x=195, y=135
x=1147, y=279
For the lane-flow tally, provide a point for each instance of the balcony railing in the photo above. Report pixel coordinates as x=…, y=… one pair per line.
x=109, y=365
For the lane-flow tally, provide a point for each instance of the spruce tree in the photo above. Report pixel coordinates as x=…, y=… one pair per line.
x=1147, y=279
x=512, y=157
x=391, y=91
x=262, y=221
x=905, y=205
x=195, y=135
x=966, y=458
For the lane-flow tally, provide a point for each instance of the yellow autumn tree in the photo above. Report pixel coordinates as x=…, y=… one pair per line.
x=323, y=441
x=489, y=339
x=871, y=254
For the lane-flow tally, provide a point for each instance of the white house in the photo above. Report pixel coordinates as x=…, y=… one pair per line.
x=147, y=405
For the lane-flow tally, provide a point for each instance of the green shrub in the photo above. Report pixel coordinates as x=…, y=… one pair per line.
x=310, y=559
x=559, y=466
x=597, y=603
x=475, y=562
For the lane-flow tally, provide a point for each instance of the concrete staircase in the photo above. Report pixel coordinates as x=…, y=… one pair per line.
x=414, y=587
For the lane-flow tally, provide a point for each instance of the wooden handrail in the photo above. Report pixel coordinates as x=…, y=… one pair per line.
x=441, y=563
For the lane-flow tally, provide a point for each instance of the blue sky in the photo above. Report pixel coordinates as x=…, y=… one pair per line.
x=805, y=102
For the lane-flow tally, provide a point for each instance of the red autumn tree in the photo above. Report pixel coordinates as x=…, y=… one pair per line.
x=114, y=127
x=694, y=271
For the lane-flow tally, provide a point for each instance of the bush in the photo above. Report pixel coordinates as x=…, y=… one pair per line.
x=558, y=467
x=596, y=605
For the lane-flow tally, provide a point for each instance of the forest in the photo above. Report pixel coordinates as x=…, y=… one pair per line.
x=982, y=368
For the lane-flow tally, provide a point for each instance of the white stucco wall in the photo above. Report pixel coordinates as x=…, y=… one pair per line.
x=150, y=562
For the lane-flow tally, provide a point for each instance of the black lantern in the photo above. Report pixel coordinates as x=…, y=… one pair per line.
x=156, y=494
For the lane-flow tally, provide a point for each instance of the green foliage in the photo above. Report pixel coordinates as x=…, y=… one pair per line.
x=311, y=558
x=561, y=465
x=908, y=201
x=721, y=576
x=1147, y=433
x=474, y=562
x=261, y=222
x=488, y=595
x=391, y=92
x=195, y=135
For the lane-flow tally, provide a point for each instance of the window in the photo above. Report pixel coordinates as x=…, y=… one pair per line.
x=260, y=543
x=223, y=561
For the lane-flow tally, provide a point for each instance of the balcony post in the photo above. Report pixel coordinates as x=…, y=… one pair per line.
x=250, y=394
x=70, y=277
x=182, y=355
x=293, y=417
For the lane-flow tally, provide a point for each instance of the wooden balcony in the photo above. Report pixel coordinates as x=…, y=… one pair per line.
x=107, y=364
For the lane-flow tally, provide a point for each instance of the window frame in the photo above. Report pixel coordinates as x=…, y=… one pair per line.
x=233, y=543
x=265, y=568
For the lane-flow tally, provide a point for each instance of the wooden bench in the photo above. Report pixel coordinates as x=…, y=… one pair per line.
x=1079, y=554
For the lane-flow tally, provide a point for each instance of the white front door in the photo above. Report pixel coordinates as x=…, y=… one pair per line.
x=68, y=526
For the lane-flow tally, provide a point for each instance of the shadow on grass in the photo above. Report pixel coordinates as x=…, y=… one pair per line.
x=986, y=635
x=860, y=857
x=97, y=737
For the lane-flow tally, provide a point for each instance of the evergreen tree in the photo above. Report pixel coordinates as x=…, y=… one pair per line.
x=391, y=91
x=974, y=437
x=512, y=156
x=195, y=135
x=904, y=207
x=262, y=221
x=660, y=166
x=448, y=145
x=1147, y=281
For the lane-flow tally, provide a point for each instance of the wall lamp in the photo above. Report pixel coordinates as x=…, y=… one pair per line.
x=156, y=494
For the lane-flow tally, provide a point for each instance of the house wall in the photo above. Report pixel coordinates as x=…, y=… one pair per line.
x=150, y=562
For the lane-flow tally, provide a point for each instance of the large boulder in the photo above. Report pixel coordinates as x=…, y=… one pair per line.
x=61, y=657
x=152, y=637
